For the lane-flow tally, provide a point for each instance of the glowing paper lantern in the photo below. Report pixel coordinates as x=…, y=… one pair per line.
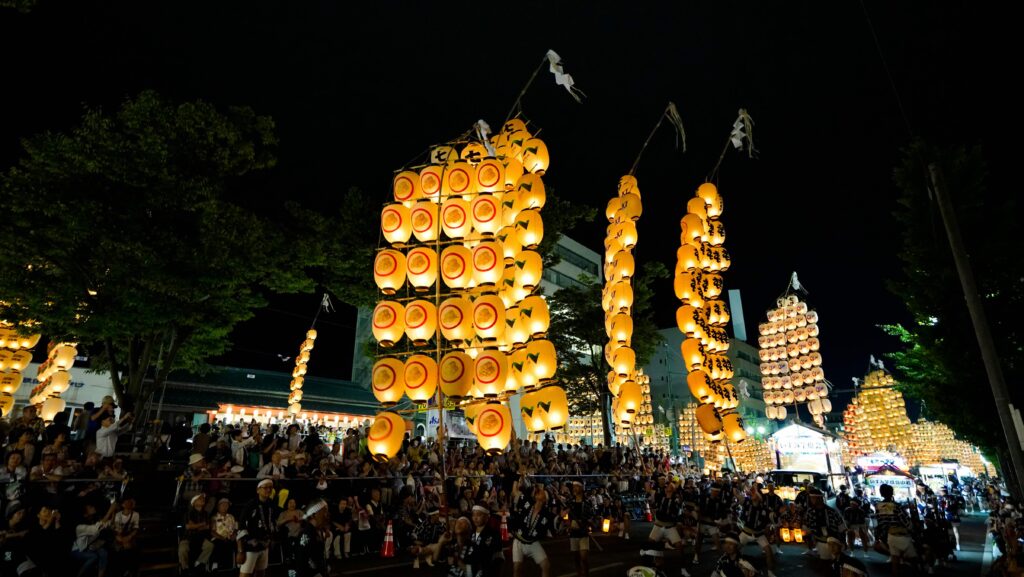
x=534, y=310
x=10, y=383
x=420, y=322
x=494, y=428
x=693, y=228
x=421, y=268
x=389, y=271
x=542, y=360
x=510, y=246
x=621, y=329
x=488, y=263
x=528, y=269
x=699, y=383
x=6, y=404
x=535, y=156
x=430, y=182
x=486, y=211
x=424, y=221
x=513, y=172
x=455, y=219
x=459, y=180
x=456, y=375
x=489, y=317
x=388, y=323
x=708, y=419
x=456, y=319
x=19, y=360
x=60, y=382
x=529, y=228
x=388, y=381
x=396, y=224
x=490, y=372
x=406, y=187
x=490, y=175
x=556, y=413
x=630, y=397
x=693, y=353
x=529, y=193
x=51, y=407
x=384, y=439
x=733, y=426
x=456, y=270
x=420, y=377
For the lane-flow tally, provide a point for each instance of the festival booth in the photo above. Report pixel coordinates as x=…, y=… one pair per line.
x=903, y=484
x=803, y=452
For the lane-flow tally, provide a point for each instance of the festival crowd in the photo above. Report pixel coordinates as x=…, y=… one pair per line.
x=255, y=495
x=63, y=495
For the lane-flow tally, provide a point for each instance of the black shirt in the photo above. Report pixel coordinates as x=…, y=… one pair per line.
x=256, y=525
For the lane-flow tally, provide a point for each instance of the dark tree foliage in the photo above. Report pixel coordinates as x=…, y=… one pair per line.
x=941, y=361
x=578, y=332
x=124, y=234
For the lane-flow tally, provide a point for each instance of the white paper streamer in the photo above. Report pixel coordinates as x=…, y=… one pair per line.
x=561, y=78
x=743, y=129
x=483, y=132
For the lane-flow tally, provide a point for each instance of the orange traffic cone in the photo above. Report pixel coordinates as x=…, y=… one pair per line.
x=504, y=527
x=388, y=549
x=647, y=512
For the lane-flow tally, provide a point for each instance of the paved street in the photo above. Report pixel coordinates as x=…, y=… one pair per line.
x=618, y=555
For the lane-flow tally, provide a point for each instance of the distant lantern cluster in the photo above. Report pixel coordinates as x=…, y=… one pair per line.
x=628, y=394
x=703, y=315
x=790, y=361
x=460, y=278
x=54, y=379
x=15, y=356
x=876, y=419
x=299, y=373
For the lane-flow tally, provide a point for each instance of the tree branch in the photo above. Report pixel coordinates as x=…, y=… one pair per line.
x=115, y=370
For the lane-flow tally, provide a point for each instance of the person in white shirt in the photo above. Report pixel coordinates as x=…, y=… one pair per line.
x=126, y=528
x=239, y=445
x=106, y=436
x=272, y=470
x=89, y=549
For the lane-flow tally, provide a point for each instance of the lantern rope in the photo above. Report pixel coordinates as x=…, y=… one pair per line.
x=672, y=114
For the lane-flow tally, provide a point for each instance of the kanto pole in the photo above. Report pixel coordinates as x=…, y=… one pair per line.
x=981, y=327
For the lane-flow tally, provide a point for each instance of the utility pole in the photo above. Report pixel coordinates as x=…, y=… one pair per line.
x=981, y=327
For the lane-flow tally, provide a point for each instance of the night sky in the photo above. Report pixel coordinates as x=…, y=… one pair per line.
x=357, y=89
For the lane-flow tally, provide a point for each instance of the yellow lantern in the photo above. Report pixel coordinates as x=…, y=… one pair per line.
x=708, y=419
x=420, y=378
x=556, y=407
x=528, y=269
x=488, y=263
x=693, y=353
x=630, y=207
x=624, y=264
x=490, y=175
x=798, y=534
x=630, y=397
x=421, y=268
x=456, y=375
x=785, y=534
x=621, y=329
x=716, y=232
x=420, y=322
x=470, y=413
x=689, y=320
x=424, y=220
x=456, y=271
x=513, y=172
x=455, y=220
x=60, y=382
x=625, y=234
x=709, y=194
x=535, y=156
x=389, y=271
x=519, y=363
x=628, y=184
x=51, y=407
x=28, y=341
x=388, y=381
x=516, y=331
x=688, y=288
x=606, y=525
x=733, y=425
x=687, y=258
x=529, y=228
x=490, y=372
x=10, y=383
x=6, y=404
x=494, y=428
x=489, y=317
x=456, y=319
x=542, y=360
x=459, y=180
x=534, y=309
x=384, y=439
x=530, y=193
x=388, y=323
x=621, y=415
x=611, y=210
x=296, y=383
x=396, y=224
x=5, y=356
x=294, y=408
x=615, y=383
x=19, y=361
x=700, y=385
x=693, y=228
x=406, y=187
x=295, y=396
x=430, y=182
x=622, y=296
x=697, y=206
x=624, y=361
x=486, y=212
x=711, y=285
x=510, y=246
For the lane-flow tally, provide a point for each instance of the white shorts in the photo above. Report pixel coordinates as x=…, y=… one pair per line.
x=255, y=561
x=823, y=551
x=747, y=538
x=579, y=544
x=660, y=533
x=533, y=550
x=901, y=546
